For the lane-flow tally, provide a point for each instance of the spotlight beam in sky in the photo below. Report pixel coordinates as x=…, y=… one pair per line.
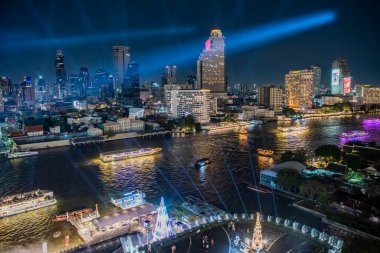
x=238, y=41
x=83, y=39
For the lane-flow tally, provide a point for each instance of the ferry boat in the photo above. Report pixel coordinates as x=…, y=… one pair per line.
x=292, y=129
x=202, y=162
x=129, y=199
x=24, y=202
x=354, y=134
x=127, y=154
x=256, y=122
x=68, y=214
x=265, y=152
x=22, y=154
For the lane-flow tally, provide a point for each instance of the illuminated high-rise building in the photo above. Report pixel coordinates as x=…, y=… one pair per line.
x=103, y=83
x=60, y=74
x=40, y=87
x=211, y=64
x=181, y=103
x=317, y=79
x=131, y=86
x=271, y=96
x=339, y=73
x=299, y=86
x=27, y=92
x=83, y=81
x=121, y=59
x=171, y=74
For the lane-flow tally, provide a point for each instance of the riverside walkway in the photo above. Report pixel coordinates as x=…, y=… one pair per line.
x=139, y=243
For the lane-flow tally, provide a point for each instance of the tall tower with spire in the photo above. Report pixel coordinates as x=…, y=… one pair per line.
x=163, y=227
x=257, y=238
x=211, y=64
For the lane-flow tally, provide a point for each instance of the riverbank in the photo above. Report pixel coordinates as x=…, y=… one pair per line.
x=64, y=143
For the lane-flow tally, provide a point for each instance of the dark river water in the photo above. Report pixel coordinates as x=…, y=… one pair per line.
x=79, y=179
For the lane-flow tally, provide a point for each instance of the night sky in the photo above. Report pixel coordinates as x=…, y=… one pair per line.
x=156, y=31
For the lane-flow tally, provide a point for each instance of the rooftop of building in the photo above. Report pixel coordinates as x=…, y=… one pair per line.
x=272, y=171
x=127, y=214
x=34, y=128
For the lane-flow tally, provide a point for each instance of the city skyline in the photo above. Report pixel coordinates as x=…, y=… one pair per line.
x=35, y=42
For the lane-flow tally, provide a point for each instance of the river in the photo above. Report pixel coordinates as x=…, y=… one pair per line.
x=79, y=179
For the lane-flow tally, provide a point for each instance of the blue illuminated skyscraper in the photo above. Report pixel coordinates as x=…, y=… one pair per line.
x=60, y=74
x=131, y=85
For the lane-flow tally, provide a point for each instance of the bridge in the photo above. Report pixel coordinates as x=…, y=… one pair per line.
x=128, y=244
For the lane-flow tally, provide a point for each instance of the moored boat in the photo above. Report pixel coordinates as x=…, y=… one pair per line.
x=292, y=129
x=354, y=134
x=265, y=152
x=22, y=154
x=68, y=214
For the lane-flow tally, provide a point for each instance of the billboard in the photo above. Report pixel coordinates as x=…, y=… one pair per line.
x=346, y=85
x=335, y=77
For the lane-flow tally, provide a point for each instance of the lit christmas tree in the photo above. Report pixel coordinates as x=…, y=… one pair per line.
x=257, y=237
x=163, y=227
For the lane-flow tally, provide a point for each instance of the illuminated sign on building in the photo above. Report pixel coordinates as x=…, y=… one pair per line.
x=335, y=77
x=346, y=85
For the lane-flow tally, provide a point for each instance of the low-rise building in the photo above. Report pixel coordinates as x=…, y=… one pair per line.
x=113, y=127
x=34, y=130
x=268, y=177
x=136, y=113
x=94, y=131
x=55, y=130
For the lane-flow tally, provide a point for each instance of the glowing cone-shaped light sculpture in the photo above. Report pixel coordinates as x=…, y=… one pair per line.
x=163, y=227
x=257, y=238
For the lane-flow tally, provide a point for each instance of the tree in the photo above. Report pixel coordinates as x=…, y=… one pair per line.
x=289, y=179
x=316, y=191
x=299, y=156
x=286, y=156
x=289, y=112
x=328, y=152
x=109, y=134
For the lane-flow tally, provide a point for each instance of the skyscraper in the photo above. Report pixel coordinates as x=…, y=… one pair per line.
x=131, y=86
x=40, y=87
x=211, y=64
x=271, y=96
x=121, y=59
x=27, y=92
x=83, y=81
x=317, y=79
x=299, y=89
x=103, y=82
x=171, y=74
x=339, y=72
x=60, y=74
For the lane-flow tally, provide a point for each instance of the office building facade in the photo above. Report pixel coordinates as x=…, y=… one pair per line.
x=299, y=87
x=211, y=73
x=340, y=75
x=181, y=103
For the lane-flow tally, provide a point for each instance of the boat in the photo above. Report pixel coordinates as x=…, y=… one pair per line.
x=129, y=200
x=265, y=152
x=202, y=162
x=354, y=134
x=292, y=129
x=256, y=122
x=56, y=234
x=257, y=188
x=24, y=202
x=243, y=131
x=22, y=154
x=127, y=154
x=64, y=216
